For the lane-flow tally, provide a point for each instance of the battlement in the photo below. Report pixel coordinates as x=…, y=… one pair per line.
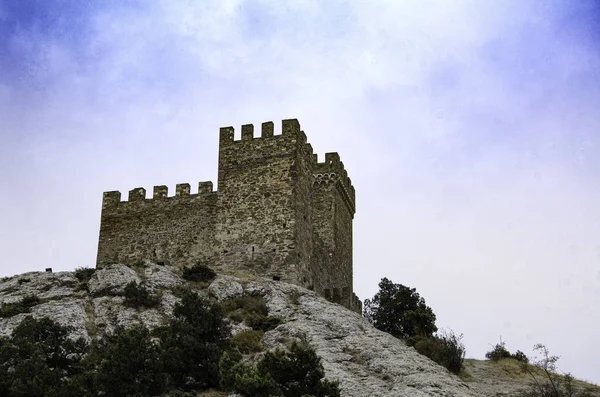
x=277, y=213
x=289, y=128
x=113, y=198
x=332, y=170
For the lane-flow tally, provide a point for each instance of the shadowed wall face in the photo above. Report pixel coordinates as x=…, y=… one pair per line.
x=277, y=213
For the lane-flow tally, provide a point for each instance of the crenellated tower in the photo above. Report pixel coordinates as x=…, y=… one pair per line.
x=277, y=213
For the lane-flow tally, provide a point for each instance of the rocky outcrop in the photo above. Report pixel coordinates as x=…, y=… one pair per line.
x=366, y=361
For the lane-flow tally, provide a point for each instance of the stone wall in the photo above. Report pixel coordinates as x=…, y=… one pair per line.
x=278, y=213
x=178, y=229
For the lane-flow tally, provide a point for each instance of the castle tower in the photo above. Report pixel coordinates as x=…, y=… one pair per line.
x=333, y=206
x=277, y=213
x=263, y=220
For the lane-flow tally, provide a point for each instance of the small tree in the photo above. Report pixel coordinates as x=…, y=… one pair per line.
x=400, y=311
x=193, y=342
x=40, y=360
x=130, y=364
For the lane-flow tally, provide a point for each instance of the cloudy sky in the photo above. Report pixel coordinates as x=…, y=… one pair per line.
x=470, y=130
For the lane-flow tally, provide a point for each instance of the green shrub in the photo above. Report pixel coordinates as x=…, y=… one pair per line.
x=22, y=306
x=252, y=310
x=137, y=295
x=498, y=352
x=520, y=356
x=263, y=323
x=199, y=272
x=39, y=360
x=130, y=364
x=193, y=343
x=445, y=349
x=246, y=303
x=248, y=341
x=298, y=372
x=294, y=373
x=84, y=274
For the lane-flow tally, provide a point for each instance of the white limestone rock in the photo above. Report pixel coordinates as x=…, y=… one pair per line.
x=365, y=360
x=112, y=280
x=161, y=277
x=44, y=285
x=225, y=287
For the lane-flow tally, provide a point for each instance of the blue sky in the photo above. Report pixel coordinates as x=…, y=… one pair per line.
x=469, y=128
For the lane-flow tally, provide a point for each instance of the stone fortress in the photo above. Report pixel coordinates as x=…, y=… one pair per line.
x=277, y=213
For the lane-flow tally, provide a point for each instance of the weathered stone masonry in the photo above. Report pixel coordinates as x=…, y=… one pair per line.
x=277, y=213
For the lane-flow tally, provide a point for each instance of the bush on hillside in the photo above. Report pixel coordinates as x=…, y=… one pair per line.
x=297, y=372
x=84, y=274
x=199, y=272
x=248, y=341
x=130, y=364
x=137, y=295
x=251, y=310
x=39, y=360
x=22, y=306
x=193, y=342
x=400, y=311
x=445, y=348
x=500, y=352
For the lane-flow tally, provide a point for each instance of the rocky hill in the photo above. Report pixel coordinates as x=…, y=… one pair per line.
x=365, y=360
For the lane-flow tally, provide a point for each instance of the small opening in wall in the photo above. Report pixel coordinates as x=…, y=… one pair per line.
x=276, y=278
x=225, y=251
x=274, y=250
x=284, y=224
x=252, y=248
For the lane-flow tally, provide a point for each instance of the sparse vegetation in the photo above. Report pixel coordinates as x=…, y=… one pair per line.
x=199, y=272
x=24, y=280
x=244, y=307
x=252, y=310
x=546, y=382
x=137, y=295
x=22, y=306
x=83, y=275
x=500, y=352
x=263, y=323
